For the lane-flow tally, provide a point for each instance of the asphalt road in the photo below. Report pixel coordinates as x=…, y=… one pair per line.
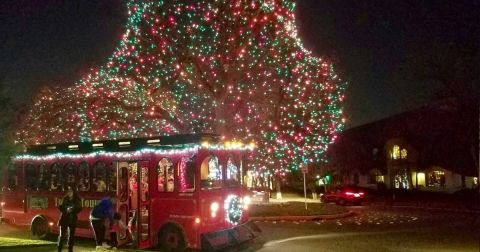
x=375, y=229
x=371, y=229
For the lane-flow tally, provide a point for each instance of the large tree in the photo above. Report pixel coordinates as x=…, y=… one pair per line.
x=233, y=67
x=7, y=120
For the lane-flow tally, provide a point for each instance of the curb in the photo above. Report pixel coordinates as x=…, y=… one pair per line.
x=475, y=211
x=303, y=218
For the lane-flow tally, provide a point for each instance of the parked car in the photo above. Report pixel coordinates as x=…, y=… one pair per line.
x=343, y=195
x=259, y=195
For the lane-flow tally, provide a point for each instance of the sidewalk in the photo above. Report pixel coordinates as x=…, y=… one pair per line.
x=286, y=197
x=292, y=199
x=291, y=208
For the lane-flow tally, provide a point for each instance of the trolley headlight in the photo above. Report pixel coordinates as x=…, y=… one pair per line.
x=246, y=202
x=214, y=209
x=2, y=204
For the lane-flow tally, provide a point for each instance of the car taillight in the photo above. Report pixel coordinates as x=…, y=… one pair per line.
x=349, y=193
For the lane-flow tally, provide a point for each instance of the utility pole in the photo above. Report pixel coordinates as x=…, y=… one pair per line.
x=304, y=168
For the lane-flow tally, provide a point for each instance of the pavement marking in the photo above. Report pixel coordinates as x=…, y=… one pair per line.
x=329, y=235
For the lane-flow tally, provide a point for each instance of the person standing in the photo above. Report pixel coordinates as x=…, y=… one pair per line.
x=70, y=207
x=102, y=211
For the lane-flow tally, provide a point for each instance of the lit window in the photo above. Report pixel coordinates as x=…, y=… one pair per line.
x=380, y=179
x=211, y=173
x=144, y=183
x=375, y=177
x=186, y=174
x=165, y=176
x=132, y=177
x=395, y=152
x=233, y=174
x=123, y=182
x=100, y=177
x=436, y=179
x=401, y=180
x=403, y=154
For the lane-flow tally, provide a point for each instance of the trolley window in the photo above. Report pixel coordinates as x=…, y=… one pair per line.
x=211, y=173
x=68, y=176
x=233, y=173
x=165, y=176
x=112, y=178
x=83, y=177
x=12, y=177
x=100, y=177
x=123, y=183
x=55, y=177
x=186, y=174
x=43, y=176
x=144, y=196
x=30, y=177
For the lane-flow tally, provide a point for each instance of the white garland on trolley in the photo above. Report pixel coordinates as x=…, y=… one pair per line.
x=130, y=154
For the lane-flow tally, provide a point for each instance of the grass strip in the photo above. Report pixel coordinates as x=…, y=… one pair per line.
x=17, y=242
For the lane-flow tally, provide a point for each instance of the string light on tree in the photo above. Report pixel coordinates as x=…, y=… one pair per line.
x=233, y=67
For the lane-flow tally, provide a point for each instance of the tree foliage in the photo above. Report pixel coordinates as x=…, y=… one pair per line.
x=236, y=68
x=7, y=134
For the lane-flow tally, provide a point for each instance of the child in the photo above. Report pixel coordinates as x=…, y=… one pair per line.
x=117, y=223
x=132, y=228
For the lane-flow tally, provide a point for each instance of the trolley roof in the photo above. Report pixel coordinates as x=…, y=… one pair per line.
x=120, y=145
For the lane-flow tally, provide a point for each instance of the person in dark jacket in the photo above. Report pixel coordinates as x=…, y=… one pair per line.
x=70, y=207
x=102, y=211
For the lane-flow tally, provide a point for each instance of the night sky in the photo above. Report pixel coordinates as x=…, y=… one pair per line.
x=380, y=46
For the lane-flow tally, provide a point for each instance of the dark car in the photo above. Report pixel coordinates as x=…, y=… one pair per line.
x=343, y=195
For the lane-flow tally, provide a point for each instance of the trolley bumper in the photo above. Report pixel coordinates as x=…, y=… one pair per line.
x=229, y=237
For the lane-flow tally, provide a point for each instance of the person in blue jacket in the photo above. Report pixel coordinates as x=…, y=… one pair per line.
x=101, y=212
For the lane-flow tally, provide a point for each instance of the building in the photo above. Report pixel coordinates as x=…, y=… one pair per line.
x=433, y=148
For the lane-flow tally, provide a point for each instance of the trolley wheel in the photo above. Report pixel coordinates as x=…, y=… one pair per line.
x=40, y=228
x=172, y=239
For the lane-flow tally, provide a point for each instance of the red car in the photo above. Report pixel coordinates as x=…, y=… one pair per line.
x=343, y=195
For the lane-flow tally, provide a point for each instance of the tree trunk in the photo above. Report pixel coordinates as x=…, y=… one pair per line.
x=314, y=192
x=278, y=187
